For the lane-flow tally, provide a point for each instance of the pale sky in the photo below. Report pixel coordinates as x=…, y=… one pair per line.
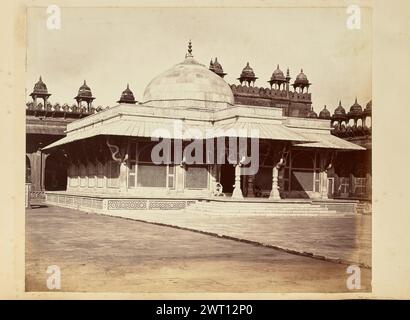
x=110, y=47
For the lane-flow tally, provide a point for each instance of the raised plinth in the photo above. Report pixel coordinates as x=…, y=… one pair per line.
x=114, y=205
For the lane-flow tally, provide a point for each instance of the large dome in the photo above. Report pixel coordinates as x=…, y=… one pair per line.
x=188, y=85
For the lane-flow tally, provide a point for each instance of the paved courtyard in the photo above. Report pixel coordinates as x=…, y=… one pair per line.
x=336, y=237
x=102, y=253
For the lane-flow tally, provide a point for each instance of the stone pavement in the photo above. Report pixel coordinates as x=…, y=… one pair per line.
x=338, y=238
x=102, y=253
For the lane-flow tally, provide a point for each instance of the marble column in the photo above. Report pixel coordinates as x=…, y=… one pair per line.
x=325, y=166
x=122, y=183
x=213, y=178
x=274, y=194
x=237, y=192
x=324, y=184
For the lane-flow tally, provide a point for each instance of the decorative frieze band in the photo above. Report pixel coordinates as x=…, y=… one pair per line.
x=118, y=204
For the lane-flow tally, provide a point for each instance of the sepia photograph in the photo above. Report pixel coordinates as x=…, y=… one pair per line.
x=198, y=150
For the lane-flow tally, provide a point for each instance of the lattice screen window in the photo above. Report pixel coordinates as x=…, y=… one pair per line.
x=360, y=186
x=144, y=173
x=151, y=175
x=196, y=177
x=344, y=185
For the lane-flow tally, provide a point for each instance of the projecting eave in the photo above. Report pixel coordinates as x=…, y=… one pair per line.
x=237, y=121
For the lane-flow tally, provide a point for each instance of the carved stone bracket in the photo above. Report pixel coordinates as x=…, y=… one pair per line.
x=118, y=153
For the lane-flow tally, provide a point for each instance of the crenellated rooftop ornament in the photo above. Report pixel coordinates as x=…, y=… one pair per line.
x=247, y=75
x=127, y=96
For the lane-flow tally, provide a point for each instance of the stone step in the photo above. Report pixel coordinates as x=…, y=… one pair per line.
x=264, y=213
x=245, y=208
x=193, y=209
x=267, y=205
x=254, y=208
x=267, y=208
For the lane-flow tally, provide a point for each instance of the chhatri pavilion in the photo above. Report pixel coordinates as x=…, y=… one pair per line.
x=209, y=139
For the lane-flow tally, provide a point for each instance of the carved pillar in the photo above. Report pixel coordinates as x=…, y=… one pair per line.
x=213, y=178
x=36, y=171
x=274, y=194
x=237, y=192
x=123, y=176
x=279, y=156
x=30, y=158
x=179, y=172
x=124, y=154
x=324, y=185
x=43, y=157
x=352, y=185
x=326, y=163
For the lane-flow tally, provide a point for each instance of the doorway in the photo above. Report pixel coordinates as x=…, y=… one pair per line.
x=227, y=177
x=55, y=173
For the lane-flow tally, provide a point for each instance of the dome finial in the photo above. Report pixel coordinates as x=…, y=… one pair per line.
x=189, y=54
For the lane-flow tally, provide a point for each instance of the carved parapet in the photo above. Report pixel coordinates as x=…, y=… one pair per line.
x=30, y=106
x=351, y=131
x=57, y=110
x=300, y=96
x=57, y=107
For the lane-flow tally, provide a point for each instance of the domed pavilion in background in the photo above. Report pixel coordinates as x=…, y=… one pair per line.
x=109, y=161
